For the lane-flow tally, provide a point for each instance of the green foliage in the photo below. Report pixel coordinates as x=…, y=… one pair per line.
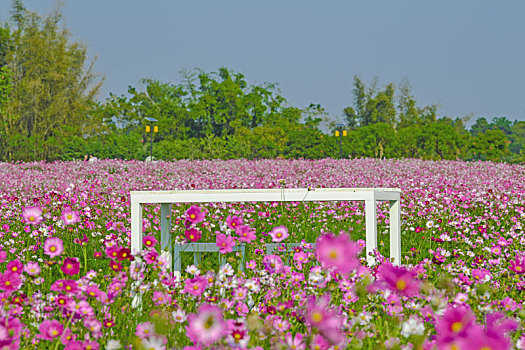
x=48, y=111
x=51, y=91
x=489, y=145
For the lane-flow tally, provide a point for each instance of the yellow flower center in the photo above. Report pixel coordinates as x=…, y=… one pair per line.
x=53, y=248
x=401, y=285
x=333, y=255
x=317, y=316
x=456, y=326
x=31, y=218
x=192, y=216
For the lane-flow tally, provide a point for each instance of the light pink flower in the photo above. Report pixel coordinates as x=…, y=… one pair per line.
x=279, y=234
x=32, y=215
x=206, y=326
x=273, y=263
x=69, y=216
x=145, y=330
x=53, y=246
x=32, y=268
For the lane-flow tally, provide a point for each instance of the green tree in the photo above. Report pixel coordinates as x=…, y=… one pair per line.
x=492, y=145
x=52, y=90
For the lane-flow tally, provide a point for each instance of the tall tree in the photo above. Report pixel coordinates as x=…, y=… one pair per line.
x=52, y=89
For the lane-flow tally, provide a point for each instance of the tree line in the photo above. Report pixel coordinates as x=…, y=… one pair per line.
x=49, y=110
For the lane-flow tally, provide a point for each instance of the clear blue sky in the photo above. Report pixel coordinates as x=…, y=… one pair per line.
x=466, y=56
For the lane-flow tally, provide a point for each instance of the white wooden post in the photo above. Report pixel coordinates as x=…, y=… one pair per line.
x=395, y=231
x=165, y=228
x=371, y=229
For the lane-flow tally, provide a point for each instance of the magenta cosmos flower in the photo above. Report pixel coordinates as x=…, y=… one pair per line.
x=10, y=281
x=399, y=279
x=233, y=222
x=246, y=233
x=318, y=315
x=273, y=263
x=148, y=241
x=279, y=234
x=457, y=322
x=194, y=214
x=53, y=246
x=206, y=326
x=50, y=329
x=225, y=243
x=32, y=215
x=518, y=265
x=71, y=266
x=338, y=253
x=193, y=234
x=69, y=216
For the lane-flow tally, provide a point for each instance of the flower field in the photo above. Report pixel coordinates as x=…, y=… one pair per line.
x=68, y=279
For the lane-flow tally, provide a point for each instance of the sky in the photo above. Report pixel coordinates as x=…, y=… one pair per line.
x=468, y=56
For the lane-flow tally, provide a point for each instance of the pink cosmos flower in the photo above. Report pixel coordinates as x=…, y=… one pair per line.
x=296, y=342
x=193, y=234
x=195, y=286
x=273, y=263
x=194, y=214
x=145, y=330
x=148, y=241
x=233, y=222
x=279, y=234
x=50, y=329
x=318, y=315
x=53, y=246
x=32, y=268
x=456, y=322
x=10, y=281
x=398, y=279
x=206, y=326
x=69, y=216
x=225, y=243
x=246, y=233
x=151, y=256
x=32, y=215
x=71, y=266
x=338, y=253
x=156, y=343
x=518, y=265
x=15, y=266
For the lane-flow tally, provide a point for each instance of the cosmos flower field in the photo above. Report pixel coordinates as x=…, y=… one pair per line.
x=68, y=279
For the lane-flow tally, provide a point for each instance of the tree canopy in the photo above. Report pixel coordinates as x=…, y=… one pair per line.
x=49, y=110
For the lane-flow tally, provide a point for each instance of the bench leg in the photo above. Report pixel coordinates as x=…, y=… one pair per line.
x=371, y=230
x=395, y=232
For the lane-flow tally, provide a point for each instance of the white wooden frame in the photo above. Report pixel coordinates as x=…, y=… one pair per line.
x=369, y=195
